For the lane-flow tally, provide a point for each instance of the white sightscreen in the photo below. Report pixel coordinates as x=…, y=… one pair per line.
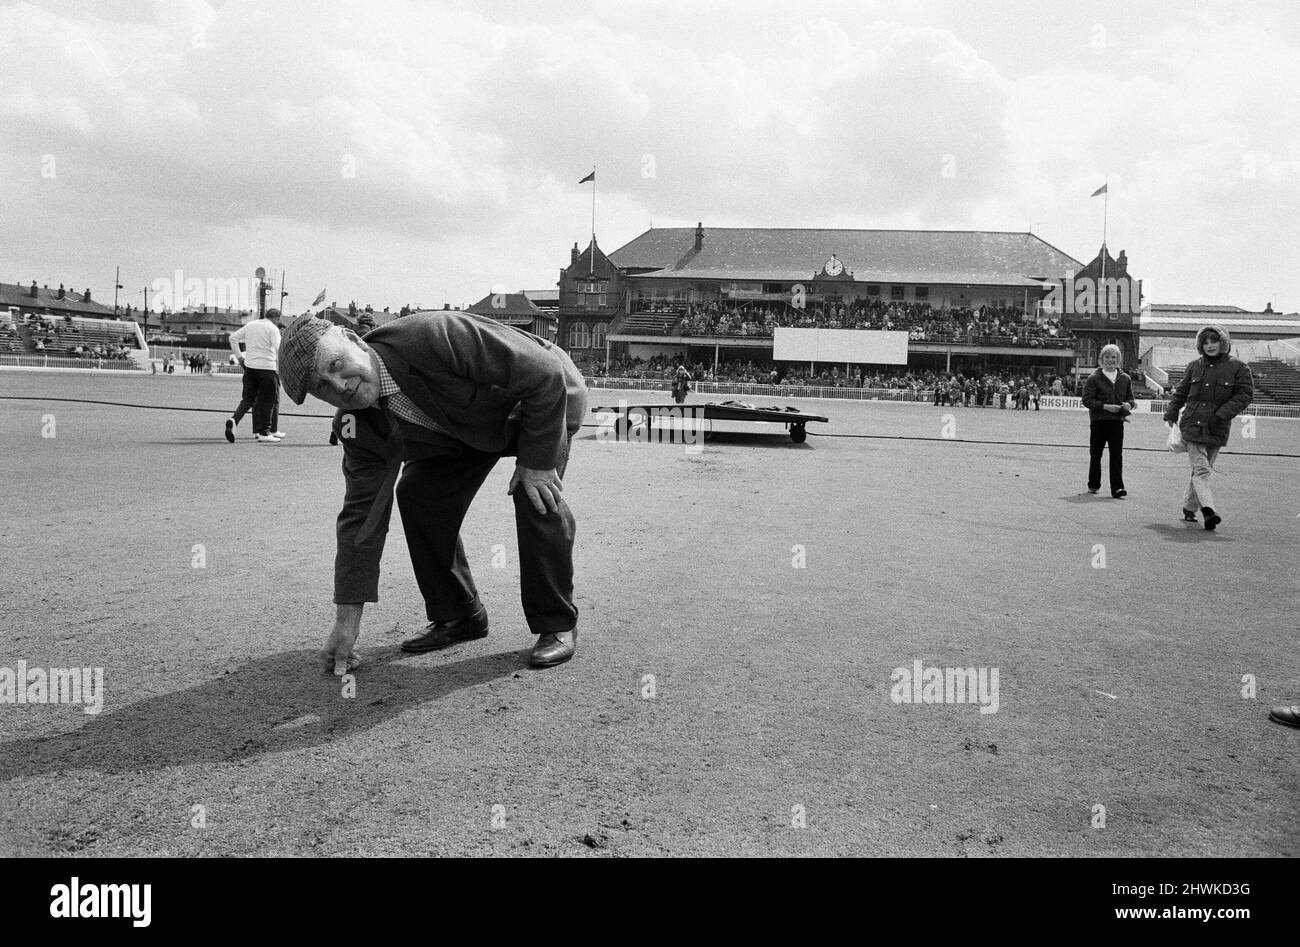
x=840, y=345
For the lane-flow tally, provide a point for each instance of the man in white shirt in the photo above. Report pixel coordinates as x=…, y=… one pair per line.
x=261, y=392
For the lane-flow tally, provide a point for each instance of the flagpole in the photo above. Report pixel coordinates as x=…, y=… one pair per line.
x=1105, y=212
x=592, y=262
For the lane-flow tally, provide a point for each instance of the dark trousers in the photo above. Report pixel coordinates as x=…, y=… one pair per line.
x=439, y=481
x=1106, y=434
x=261, y=392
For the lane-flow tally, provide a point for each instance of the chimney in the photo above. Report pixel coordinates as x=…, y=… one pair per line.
x=1122, y=261
x=1268, y=306
x=86, y=298
x=699, y=236
x=573, y=254
x=33, y=290
x=62, y=292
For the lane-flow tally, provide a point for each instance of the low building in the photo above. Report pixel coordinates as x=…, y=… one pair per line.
x=516, y=309
x=43, y=301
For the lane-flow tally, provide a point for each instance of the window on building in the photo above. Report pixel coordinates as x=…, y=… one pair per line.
x=598, y=335
x=873, y=289
x=602, y=300
x=578, y=337
x=773, y=288
x=922, y=292
x=895, y=292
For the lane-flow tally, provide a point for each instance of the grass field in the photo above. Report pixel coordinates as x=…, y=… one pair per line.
x=743, y=610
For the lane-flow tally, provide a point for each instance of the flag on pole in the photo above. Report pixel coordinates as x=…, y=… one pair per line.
x=1101, y=190
x=319, y=299
x=590, y=177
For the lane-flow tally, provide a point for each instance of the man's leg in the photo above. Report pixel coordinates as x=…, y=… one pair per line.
x=433, y=496
x=275, y=402
x=265, y=396
x=546, y=561
x=247, y=397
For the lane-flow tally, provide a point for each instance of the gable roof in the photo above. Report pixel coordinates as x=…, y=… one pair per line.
x=516, y=309
x=601, y=266
x=879, y=256
x=14, y=294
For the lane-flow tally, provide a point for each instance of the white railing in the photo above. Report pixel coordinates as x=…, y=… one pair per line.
x=55, y=361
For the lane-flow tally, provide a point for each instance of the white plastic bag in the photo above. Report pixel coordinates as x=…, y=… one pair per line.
x=1175, y=441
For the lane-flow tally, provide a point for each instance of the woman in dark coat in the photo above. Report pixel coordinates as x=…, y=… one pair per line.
x=1214, y=390
x=1108, y=396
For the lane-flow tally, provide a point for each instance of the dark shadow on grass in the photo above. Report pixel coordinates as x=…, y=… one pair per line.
x=1089, y=498
x=236, y=716
x=1187, y=533
x=758, y=439
x=755, y=439
x=219, y=440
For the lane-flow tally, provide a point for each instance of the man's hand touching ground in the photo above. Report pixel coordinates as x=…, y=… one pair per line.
x=338, y=654
x=542, y=487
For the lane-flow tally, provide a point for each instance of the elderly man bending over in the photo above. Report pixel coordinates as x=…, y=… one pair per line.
x=442, y=396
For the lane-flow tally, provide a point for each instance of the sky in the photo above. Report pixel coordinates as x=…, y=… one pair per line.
x=403, y=152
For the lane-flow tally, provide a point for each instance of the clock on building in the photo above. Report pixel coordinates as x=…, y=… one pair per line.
x=833, y=267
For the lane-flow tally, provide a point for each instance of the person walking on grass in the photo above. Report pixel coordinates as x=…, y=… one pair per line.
x=1215, y=389
x=1108, y=396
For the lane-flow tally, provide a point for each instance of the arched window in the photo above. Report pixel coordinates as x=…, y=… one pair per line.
x=598, y=335
x=1088, y=350
x=578, y=338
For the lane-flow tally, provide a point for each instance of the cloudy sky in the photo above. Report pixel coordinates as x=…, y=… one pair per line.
x=401, y=151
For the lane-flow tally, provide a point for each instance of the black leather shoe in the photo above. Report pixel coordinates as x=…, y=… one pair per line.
x=554, y=649
x=1212, y=519
x=1288, y=716
x=1093, y=489
x=440, y=634
x=1120, y=494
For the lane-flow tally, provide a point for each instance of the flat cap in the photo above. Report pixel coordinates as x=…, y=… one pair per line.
x=297, y=357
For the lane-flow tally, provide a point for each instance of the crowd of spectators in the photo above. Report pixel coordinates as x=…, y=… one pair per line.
x=985, y=325
x=65, y=338
x=947, y=388
x=9, y=338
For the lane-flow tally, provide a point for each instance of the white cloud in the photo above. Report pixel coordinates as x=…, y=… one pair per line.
x=399, y=145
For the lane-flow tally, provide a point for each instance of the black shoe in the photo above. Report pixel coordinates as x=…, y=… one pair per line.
x=1120, y=494
x=1189, y=516
x=1288, y=716
x=230, y=430
x=440, y=634
x=1093, y=489
x=1212, y=519
x=554, y=648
